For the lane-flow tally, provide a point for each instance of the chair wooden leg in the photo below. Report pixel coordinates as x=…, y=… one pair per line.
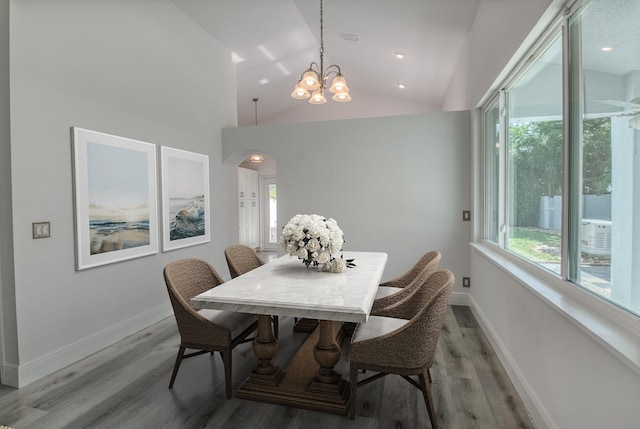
x=428, y=399
x=176, y=366
x=226, y=359
x=354, y=388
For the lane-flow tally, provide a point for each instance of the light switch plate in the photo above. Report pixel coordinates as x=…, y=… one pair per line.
x=41, y=229
x=466, y=215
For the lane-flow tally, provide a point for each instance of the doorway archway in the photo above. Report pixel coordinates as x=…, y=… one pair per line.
x=257, y=200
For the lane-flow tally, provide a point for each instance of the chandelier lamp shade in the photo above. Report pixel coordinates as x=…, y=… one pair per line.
x=315, y=79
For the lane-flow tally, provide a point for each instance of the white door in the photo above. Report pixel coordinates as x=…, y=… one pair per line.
x=248, y=208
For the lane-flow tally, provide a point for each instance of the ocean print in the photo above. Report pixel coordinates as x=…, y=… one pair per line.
x=187, y=217
x=118, y=198
x=186, y=199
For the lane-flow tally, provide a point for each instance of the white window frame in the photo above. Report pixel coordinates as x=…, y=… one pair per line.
x=614, y=328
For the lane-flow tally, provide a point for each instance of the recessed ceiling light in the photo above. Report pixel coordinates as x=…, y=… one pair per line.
x=607, y=49
x=264, y=81
x=401, y=85
x=398, y=54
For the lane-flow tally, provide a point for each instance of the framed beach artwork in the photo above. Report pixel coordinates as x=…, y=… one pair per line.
x=115, y=196
x=185, y=198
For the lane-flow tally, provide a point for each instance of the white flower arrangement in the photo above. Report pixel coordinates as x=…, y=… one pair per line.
x=316, y=240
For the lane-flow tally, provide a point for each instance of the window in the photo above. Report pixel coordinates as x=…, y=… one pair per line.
x=604, y=47
x=534, y=161
x=575, y=138
x=492, y=167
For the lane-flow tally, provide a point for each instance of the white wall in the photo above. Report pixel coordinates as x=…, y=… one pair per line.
x=498, y=30
x=456, y=97
x=396, y=184
x=567, y=378
x=139, y=69
x=570, y=380
x=8, y=331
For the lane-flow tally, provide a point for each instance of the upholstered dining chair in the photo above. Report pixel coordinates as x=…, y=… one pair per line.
x=241, y=259
x=402, y=288
x=406, y=278
x=390, y=345
x=206, y=331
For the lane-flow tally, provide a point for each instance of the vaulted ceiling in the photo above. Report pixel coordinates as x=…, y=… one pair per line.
x=274, y=41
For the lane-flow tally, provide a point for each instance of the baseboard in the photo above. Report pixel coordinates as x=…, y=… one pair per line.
x=34, y=370
x=460, y=298
x=10, y=375
x=532, y=402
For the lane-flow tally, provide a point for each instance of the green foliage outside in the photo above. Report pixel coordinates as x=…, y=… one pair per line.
x=535, y=164
x=596, y=153
x=535, y=168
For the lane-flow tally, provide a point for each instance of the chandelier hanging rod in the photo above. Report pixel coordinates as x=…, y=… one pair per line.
x=315, y=78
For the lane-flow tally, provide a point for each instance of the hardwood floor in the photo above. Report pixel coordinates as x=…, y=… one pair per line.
x=126, y=386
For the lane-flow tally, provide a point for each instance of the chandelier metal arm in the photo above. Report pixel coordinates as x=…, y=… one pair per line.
x=318, y=67
x=323, y=75
x=333, y=68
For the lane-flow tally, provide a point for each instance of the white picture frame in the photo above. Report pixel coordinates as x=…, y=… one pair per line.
x=115, y=198
x=186, y=217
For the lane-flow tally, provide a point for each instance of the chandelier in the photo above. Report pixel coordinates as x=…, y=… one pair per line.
x=316, y=77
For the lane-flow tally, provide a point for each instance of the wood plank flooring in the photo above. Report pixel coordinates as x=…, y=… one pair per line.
x=125, y=386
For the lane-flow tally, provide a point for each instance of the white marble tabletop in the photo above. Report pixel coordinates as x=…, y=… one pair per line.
x=285, y=287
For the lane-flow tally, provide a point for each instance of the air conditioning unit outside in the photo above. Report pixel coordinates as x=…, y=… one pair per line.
x=596, y=237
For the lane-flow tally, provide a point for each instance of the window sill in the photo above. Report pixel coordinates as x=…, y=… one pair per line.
x=613, y=328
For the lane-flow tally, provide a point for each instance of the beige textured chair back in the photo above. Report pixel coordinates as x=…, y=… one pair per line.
x=431, y=258
x=403, y=348
x=241, y=259
x=428, y=322
x=206, y=331
x=185, y=279
x=414, y=345
x=402, y=304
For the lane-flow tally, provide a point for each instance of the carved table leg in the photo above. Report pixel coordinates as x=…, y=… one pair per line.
x=265, y=346
x=327, y=354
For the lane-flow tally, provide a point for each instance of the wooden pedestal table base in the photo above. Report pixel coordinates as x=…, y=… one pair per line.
x=310, y=381
x=305, y=325
x=265, y=346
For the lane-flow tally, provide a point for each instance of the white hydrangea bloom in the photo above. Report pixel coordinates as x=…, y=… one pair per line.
x=314, y=239
x=323, y=257
x=313, y=245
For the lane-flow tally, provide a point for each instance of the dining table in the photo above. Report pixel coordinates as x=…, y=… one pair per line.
x=285, y=287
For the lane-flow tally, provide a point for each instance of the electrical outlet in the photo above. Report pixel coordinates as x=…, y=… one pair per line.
x=466, y=215
x=41, y=229
x=466, y=282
